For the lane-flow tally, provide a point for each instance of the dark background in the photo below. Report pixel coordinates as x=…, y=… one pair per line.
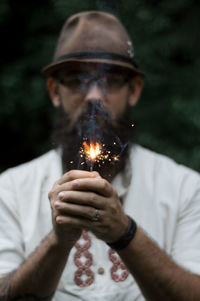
x=166, y=37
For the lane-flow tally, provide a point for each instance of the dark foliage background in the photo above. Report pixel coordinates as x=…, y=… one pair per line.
x=167, y=44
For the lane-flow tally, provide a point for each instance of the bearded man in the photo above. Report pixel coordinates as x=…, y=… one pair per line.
x=129, y=230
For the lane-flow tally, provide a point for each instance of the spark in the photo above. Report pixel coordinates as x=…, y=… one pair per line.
x=116, y=158
x=95, y=152
x=92, y=150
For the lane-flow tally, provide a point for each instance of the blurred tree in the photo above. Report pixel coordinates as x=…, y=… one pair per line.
x=166, y=41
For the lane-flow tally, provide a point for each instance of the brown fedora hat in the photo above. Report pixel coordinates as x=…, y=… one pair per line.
x=93, y=37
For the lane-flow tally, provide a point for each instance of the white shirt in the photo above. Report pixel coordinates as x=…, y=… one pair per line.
x=162, y=196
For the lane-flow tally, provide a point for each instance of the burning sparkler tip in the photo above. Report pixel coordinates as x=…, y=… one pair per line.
x=92, y=151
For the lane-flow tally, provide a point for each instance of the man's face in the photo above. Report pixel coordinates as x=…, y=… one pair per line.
x=93, y=103
x=94, y=82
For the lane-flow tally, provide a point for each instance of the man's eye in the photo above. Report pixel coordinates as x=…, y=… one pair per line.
x=85, y=80
x=104, y=79
x=71, y=82
x=113, y=80
x=74, y=81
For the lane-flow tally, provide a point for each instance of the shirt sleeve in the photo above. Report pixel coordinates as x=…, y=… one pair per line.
x=11, y=242
x=186, y=246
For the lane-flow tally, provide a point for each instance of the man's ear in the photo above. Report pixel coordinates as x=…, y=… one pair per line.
x=52, y=86
x=136, y=86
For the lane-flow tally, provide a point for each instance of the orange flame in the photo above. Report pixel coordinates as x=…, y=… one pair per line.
x=92, y=150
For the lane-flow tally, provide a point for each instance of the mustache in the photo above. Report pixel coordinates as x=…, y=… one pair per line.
x=93, y=124
x=97, y=125
x=91, y=112
x=92, y=120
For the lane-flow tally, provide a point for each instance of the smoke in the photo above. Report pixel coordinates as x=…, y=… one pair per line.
x=95, y=124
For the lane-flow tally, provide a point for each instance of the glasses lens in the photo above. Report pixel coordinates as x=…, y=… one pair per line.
x=115, y=82
x=81, y=82
x=72, y=82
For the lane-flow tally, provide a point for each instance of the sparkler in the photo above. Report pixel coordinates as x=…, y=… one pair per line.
x=92, y=152
x=95, y=152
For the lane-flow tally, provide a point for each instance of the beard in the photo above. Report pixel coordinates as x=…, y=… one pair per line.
x=94, y=125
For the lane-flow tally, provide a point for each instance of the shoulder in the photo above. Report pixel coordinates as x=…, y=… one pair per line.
x=149, y=158
x=163, y=170
x=32, y=170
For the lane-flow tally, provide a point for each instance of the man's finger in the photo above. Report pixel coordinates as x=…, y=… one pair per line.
x=77, y=174
x=95, y=184
x=68, y=209
x=82, y=198
x=76, y=222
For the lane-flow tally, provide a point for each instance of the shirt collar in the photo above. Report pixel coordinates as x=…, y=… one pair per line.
x=122, y=180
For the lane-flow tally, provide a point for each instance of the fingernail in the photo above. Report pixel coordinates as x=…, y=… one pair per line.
x=61, y=195
x=57, y=204
x=75, y=183
x=95, y=173
x=59, y=219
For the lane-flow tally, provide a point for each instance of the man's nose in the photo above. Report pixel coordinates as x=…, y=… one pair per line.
x=94, y=93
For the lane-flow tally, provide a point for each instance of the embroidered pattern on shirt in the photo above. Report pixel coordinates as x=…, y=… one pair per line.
x=118, y=271
x=83, y=276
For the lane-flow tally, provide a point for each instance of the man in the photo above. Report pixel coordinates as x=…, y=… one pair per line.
x=127, y=232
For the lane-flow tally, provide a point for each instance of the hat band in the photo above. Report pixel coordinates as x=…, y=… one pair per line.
x=98, y=55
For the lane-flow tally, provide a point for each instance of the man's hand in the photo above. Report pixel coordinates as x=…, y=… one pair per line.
x=65, y=232
x=74, y=200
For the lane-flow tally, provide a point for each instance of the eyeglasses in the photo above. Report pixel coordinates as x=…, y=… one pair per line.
x=109, y=82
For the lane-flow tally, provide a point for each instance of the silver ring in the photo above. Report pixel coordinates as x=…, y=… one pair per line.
x=96, y=216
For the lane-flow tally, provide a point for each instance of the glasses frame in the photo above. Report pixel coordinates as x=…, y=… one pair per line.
x=108, y=80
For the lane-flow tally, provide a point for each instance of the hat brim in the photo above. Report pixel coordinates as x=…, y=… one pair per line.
x=52, y=68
